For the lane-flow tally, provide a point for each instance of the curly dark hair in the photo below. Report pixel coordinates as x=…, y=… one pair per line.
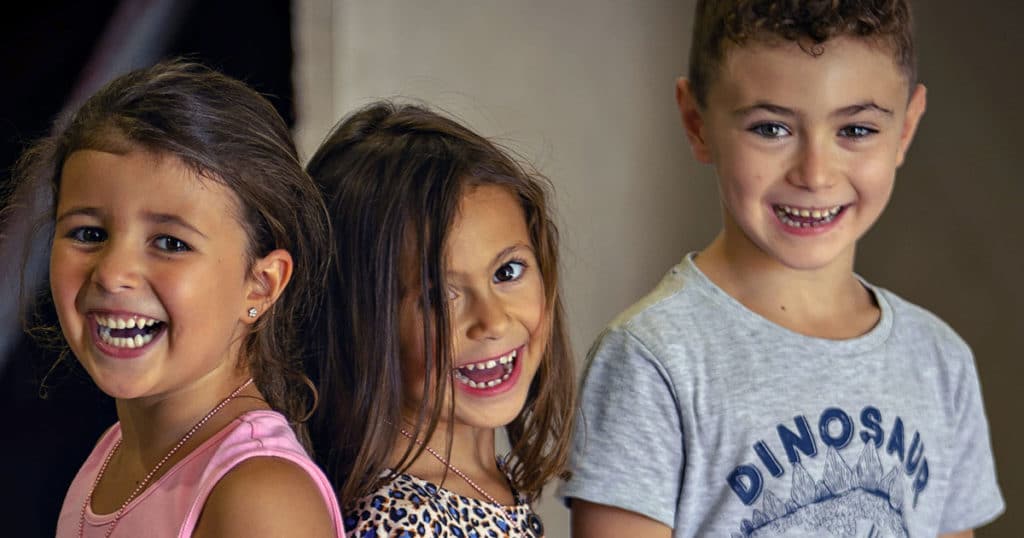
x=393, y=176
x=719, y=24
x=225, y=132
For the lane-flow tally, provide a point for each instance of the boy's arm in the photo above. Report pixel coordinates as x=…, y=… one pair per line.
x=628, y=445
x=590, y=520
x=961, y=534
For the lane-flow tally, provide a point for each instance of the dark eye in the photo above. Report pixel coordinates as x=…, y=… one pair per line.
x=856, y=131
x=509, y=272
x=88, y=234
x=171, y=244
x=770, y=130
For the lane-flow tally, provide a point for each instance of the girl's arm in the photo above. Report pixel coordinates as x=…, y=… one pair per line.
x=264, y=497
x=591, y=520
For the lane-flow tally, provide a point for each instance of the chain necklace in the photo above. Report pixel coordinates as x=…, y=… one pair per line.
x=452, y=467
x=142, y=485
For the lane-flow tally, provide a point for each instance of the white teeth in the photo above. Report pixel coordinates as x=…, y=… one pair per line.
x=112, y=322
x=506, y=361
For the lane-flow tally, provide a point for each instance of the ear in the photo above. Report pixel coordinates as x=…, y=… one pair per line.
x=693, y=120
x=915, y=109
x=269, y=277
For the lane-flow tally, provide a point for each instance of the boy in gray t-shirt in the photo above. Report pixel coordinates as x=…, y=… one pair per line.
x=763, y=389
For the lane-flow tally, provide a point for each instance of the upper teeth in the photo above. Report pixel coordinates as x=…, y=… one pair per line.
x=814, y=213
x=115, y=322
x=484, y=365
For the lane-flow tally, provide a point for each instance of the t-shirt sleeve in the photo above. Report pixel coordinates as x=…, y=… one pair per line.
x=974, y=497
x=628, y=445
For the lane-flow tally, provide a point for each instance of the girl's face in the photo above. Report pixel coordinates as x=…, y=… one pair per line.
x=149, y=274
x=496, y=303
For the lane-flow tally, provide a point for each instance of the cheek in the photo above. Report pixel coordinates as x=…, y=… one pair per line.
x=66, y=279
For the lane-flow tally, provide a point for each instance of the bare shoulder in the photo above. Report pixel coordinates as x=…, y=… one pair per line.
x=265, y=497
x=593, y=520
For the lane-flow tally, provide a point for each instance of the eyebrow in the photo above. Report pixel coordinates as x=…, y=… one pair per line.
x=788, y=112
x=167, y=218
x=156, y=218
x=504, y=252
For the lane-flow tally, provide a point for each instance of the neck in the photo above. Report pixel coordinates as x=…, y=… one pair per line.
x=825, y=302
x=151, y=426
x=471, y=451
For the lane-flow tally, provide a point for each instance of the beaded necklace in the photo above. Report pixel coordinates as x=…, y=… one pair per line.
x=145, y=481
x=453, y=468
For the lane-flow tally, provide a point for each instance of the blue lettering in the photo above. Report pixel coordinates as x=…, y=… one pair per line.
x=916, y=446
x=846, y=424
x=746, y=482
x=871, y=419
x=921, y=481
x=768, y=459
x=896, y=439
x=792, y=441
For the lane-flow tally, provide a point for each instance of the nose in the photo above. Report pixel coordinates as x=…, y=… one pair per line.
x=489, y=317
x=117, y=267
x=812, y=166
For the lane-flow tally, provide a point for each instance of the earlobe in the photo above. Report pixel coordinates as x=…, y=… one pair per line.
x=693, y=120
x=915, y=110
x=269, y=278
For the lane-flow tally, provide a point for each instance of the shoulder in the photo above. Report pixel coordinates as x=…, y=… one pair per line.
x=402, y=504
x=916, y=326
x=265, y=496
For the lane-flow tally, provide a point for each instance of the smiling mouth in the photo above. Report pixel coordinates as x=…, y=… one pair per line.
x=803, y=217
x=127, y=332
x=487, y=373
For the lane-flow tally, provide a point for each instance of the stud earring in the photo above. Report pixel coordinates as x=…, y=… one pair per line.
x=253, y=312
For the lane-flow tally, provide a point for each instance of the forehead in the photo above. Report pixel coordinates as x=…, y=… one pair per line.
x=138, y=180
x=838, y=70
x=490, y=218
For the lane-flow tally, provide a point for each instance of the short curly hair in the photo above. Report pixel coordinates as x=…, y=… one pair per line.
x=719, y=24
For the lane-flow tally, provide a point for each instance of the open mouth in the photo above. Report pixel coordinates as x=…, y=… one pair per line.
x=488, y=373
x=805, y=217
x=127, y=332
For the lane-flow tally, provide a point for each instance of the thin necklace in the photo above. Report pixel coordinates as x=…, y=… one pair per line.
x=450, y=466
x=142, y=485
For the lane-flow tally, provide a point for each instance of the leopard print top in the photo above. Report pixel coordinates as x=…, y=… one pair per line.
x=409, y=507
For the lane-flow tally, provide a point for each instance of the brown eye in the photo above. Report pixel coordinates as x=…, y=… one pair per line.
x=171, y=244
x=509, y=272
x=88, y=234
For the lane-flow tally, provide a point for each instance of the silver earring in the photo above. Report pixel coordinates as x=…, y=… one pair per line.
x=253, y=312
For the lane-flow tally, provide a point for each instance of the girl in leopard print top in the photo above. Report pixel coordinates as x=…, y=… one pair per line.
x=443, y=324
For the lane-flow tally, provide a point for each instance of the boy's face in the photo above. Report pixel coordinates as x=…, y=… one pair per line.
x=805, y=147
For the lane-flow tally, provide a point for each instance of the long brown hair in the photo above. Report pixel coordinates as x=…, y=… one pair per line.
x=225, y=132
x=392, y=176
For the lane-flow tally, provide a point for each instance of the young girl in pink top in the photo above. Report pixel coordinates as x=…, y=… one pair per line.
x=186, y=245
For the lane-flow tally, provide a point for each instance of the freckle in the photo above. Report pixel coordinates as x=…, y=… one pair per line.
x=783, y=308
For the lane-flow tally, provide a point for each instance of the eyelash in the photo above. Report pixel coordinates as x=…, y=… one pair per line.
x=521, y=263
x=848, y=131
x=760, y=129
x=91, y=234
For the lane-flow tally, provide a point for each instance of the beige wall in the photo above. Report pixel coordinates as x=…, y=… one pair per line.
x=584, y=89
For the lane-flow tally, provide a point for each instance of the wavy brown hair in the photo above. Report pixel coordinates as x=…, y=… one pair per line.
x=226, y=132
x=719, y=24
x=393, y=176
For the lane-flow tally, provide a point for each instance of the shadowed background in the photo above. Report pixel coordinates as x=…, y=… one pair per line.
x=584, y=89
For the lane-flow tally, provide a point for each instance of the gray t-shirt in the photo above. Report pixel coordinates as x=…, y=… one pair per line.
x=707, y=417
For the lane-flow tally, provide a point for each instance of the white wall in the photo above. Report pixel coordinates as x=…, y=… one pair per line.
x=582, y=88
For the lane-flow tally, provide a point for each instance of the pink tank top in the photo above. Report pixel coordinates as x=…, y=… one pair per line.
x=170, y=507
